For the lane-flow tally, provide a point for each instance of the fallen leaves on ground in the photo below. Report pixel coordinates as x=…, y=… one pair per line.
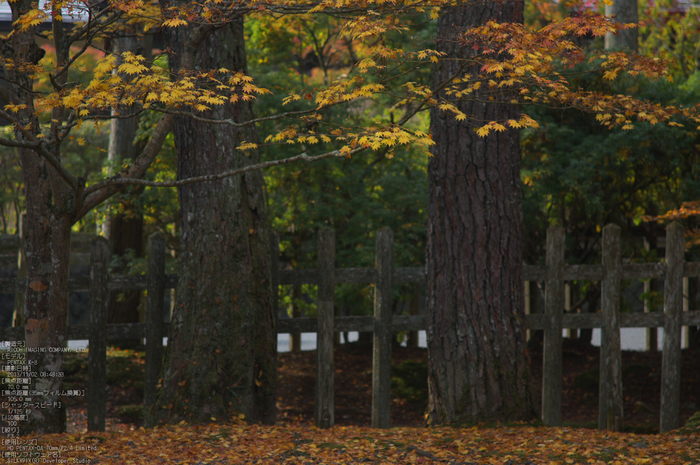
x=221, y=443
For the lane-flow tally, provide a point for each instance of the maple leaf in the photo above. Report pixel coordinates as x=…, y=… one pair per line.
x=483, y=131
x=174, y=22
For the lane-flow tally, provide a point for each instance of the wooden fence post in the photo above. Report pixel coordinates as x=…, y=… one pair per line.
x=552, y=349
x=97, y=346
x=275, y=278
x=18, y=313
x=295, y=338
x=381, y=350
x=325, y=408
x=673, y=307
x=610, y=413
x=155, y=312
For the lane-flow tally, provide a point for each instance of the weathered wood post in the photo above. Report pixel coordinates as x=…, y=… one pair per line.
x=651, y=286
x=97, y=346
x=275, y=278
x=610, y=413
x=18, y=313
x=381, y=351
x=155, y=312
x=325, y=408
x=552, y=349
x=673, y=308
x=295, y=338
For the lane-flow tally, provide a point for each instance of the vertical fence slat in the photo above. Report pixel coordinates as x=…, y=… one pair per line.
x=381, y=351
x=554, y=306
x=610, y=411
x=18, y=313
x=155, y=312
x=295, y=338
x=325, y=408
x=650, y=286
x=275, y=279
x=673, y=307
x=97, y=354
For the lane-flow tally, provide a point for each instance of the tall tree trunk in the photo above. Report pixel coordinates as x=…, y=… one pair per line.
x=47, y=249
x=222, y=348
x=476, y=338
x=49, y=206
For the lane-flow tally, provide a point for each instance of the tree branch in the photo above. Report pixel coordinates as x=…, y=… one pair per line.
x=101, y=191
x=120, y=181
x=232, y=123
x=38, y=146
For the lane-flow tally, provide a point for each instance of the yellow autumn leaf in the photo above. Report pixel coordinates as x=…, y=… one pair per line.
x=174, y=22
x=514, y=124
x=131, y=68
x=483, y=131
x=247, y=146
x=610, y=75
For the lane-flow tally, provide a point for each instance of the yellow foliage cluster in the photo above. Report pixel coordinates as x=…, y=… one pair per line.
x=134, y=81
x=505, y=63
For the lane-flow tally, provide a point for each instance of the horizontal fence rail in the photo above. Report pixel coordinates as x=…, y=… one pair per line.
x=383, y=324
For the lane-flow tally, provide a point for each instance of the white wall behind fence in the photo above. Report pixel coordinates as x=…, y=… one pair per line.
x=630, y=338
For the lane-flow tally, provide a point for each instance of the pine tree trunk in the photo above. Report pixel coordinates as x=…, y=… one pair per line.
x=476, y=337
x=222, y=348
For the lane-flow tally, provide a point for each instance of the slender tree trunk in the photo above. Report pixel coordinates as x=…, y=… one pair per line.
x=476, y=338
x=625, y=12
x=222, y=347
x=53, y=204
x=46, y=300
x=49, y=206
x=124, y=228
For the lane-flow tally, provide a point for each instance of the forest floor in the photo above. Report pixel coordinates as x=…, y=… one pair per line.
x=294, y=439
x=353, y=382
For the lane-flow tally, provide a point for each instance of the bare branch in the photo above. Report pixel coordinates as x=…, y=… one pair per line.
x=409, y=114
x=85, y=28
x=227, y=174
x=23, y=144
x=39, y=146
x=232, y=123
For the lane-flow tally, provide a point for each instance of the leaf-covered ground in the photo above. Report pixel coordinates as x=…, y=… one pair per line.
x=241, y=444
x=353, y=381
x=295, y=441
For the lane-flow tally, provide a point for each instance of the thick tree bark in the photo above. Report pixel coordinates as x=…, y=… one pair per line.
x=222, y=348
x=476, y=338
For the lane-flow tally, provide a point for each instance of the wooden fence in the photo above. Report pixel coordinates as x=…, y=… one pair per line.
x=384, y=276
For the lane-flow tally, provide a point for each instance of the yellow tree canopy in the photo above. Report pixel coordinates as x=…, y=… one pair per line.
x=515, y=64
